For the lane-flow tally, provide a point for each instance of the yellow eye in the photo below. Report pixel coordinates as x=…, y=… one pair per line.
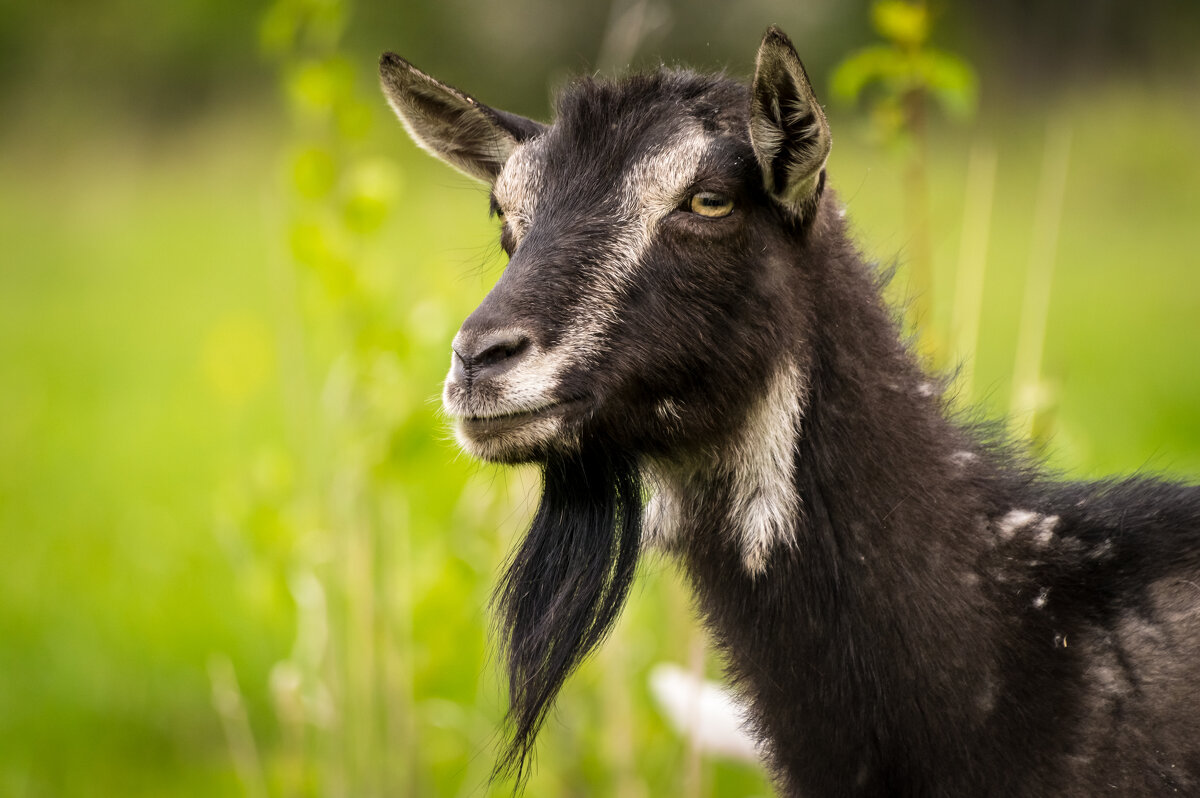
x=712, y=205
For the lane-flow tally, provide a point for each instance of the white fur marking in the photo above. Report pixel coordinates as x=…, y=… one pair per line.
x=759, y=467
x=1045, y=530
x=764, y=502
x=655, y=184
x=519, y=185
x=1013, y=521
x=662, y=517
x=535, y=378
x=963, y=459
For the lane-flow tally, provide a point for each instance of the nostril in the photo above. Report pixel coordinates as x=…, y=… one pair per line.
x=507, y=347
x=488, y=354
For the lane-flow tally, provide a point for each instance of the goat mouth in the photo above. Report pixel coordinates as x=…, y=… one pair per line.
x=475, y=426
x=520, y=436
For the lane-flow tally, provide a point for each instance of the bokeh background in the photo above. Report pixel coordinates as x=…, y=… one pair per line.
x=239, y=553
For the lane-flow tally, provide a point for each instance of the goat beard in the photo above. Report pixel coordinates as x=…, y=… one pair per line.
x=564, y=587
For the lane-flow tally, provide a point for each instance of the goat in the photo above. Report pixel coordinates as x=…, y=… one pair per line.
x=908, y=606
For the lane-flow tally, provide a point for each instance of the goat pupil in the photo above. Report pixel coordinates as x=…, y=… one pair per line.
x=707, y=203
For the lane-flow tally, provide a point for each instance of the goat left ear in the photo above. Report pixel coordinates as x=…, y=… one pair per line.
x=450, y=124
x=788, y=130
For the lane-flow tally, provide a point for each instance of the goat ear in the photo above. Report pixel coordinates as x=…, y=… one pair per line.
x=787, y=126
x=450, y=124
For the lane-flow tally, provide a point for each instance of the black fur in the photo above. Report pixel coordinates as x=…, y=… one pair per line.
x=898, y=651
x=566, y=584
x=950, y=620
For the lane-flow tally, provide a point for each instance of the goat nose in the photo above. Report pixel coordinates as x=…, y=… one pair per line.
x=488, y=354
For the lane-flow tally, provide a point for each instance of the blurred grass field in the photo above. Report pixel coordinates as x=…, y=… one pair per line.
x=163, y=465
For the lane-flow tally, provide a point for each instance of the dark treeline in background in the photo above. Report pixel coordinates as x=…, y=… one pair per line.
x=162, y=60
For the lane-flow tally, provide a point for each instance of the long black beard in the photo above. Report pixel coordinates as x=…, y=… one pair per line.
x=564, y=587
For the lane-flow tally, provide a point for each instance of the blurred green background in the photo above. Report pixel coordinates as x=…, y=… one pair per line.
x=241, y=555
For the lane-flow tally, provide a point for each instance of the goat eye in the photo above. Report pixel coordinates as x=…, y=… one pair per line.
x=712, y=205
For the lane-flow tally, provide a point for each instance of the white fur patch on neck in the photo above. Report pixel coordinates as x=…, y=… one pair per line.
x=758, y=471
x=663, y=517
x=764, y=503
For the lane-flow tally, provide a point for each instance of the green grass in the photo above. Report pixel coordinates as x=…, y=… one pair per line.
x=118, y=267
x=1124, y=320
x=169, y=458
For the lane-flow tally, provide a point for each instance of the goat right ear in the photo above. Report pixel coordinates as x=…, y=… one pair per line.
x=788, y=130
x=449, y=124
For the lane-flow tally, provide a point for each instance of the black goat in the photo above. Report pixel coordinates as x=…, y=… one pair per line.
x=907, y=608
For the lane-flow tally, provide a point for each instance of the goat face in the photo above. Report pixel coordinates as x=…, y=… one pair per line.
x=648, y=231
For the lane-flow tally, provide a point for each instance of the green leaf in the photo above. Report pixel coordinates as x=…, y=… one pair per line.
x=314, y=172
x=320, y=246
x=353, y=119
x=901, y=22
x=874, y=64
x=278, y=28
x=371, y=188
x=324, y=22
x=951, y=80
x=320, y=85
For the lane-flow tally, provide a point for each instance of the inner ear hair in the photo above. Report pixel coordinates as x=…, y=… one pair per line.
x=788, y=129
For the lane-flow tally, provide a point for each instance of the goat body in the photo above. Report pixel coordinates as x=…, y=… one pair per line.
x=907, y=608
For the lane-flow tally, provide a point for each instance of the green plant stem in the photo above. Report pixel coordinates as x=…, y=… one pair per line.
x=231, y=708
x=916, y=206
x=694, y=779
x=972, y=262
x=1027, y=400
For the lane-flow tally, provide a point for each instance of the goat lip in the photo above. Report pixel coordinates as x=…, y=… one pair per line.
x=502, y=422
